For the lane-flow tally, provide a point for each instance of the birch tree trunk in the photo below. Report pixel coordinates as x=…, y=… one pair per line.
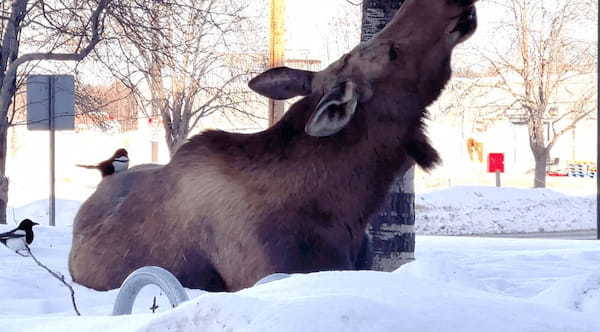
x=391, y=231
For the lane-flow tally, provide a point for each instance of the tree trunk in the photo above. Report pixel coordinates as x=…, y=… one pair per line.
x=8, y=53
x=3, y=178
x=176, y=124
x=376, y=14
x=175, y=142
x=540, y=155
x=538, y=147
x=4, y=107
x=391, y=231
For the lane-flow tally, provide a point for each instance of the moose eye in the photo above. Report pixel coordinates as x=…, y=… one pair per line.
x=393, y=53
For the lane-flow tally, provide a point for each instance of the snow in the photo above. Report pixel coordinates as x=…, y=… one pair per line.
x=38, y=212
x=489, y=210
x=455, y=284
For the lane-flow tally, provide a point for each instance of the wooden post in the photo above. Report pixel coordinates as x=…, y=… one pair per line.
x=276, y=51
x=154, y=151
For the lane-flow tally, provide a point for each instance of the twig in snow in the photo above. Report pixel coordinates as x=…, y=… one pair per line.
x=58, y=276
x=154, y=307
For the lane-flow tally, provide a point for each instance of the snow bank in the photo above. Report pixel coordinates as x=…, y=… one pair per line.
x=38, y=212
x=488, y=210
x=456, y=284
x=367, y=301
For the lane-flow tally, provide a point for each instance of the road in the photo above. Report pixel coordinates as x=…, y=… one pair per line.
x=567, y=235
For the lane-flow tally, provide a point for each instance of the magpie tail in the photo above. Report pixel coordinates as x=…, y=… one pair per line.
x=88, y=166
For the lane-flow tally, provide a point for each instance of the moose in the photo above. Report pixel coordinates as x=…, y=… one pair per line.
x=229, y=208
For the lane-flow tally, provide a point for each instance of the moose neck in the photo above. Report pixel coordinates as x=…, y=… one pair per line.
x=365, y=156
x=283, y=161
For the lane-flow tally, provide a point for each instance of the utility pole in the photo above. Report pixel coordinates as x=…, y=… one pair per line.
x=276, y=51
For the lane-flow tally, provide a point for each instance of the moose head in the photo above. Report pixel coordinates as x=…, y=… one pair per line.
x=406, y=64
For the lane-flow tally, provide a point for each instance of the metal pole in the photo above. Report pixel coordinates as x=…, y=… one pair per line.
x=497, y=178
x=52, y=201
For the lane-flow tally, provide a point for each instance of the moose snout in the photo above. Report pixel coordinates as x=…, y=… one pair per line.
x=467, y=22
x=464, y=27
x=464, y=3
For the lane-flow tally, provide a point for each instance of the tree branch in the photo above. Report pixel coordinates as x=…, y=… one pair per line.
x=56, y=275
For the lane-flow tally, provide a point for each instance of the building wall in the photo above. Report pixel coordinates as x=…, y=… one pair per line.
x=449, y=139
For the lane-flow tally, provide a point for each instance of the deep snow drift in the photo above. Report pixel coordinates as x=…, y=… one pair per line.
x=456, y=284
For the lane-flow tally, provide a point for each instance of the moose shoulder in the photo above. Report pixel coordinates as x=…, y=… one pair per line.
x=229, y=209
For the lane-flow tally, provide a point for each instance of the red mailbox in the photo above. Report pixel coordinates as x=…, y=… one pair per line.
x=496, y=162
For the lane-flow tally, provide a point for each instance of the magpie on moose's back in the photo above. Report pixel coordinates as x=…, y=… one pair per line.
x=20, y=237
x=117, y=163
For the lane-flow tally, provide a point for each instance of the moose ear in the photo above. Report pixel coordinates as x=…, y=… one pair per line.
x=283, y=83
x=334, y=110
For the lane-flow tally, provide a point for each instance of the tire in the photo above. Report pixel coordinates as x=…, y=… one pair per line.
x=148, y=275
x=272, y=277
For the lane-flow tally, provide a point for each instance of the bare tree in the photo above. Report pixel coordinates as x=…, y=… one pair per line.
x=110, y=107
x=342, y=30
x=545, y=67
x=194, y=64
x=465, y=105
x=35, y=33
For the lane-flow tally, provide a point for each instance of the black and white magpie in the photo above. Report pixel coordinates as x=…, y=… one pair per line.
x=117, y=163
x=20, y=236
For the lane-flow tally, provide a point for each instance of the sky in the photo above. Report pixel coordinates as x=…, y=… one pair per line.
x=307, y=27
x=307, y=20
x=308, y=30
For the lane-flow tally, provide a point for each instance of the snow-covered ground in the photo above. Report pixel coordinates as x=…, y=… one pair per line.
x=456, y=283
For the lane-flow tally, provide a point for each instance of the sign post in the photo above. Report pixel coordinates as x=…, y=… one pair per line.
x=496, y=165
x=51, y=106
x=498, y=178
x=51, y=129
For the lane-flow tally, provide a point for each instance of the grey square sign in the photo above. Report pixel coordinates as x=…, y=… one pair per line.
x=50, y=93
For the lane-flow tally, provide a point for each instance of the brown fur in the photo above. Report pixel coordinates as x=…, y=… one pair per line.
x=232, y=208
